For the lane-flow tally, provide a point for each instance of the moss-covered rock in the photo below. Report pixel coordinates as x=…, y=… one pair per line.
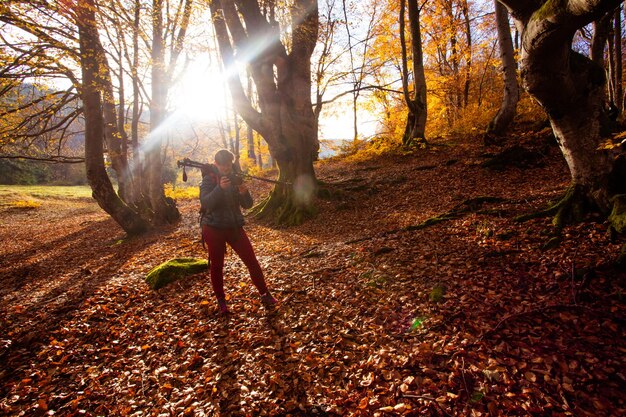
x=437, y=293
x=173, y=270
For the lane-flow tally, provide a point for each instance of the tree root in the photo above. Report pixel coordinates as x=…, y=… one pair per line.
x=570, y=208
x=541, y=310
x=617, y=218
x=467, y=206
x=282, y=211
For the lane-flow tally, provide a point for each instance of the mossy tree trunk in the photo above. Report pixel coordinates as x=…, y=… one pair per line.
x=569, y=86
x=282, y=78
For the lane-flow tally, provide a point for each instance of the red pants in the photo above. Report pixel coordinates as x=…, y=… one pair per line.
x=216, y=240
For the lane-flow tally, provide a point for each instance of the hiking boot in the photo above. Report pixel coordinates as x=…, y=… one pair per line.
x=268, y=301
x=222, y=306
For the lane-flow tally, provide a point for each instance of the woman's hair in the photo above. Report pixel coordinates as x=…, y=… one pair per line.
x=224, y=156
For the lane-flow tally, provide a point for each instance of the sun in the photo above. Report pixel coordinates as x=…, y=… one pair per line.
x=200, y=93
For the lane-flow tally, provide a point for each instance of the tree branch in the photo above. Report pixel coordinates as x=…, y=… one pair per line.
x=58, y=159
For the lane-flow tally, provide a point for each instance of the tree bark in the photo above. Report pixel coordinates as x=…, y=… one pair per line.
x=611, y=66
x=601, y=28
x=91, y=93
x=250, y=131
x=137, y=164
x=468, y=66
x=283, y=84
x=112, y=134
x=127, y=193
x=508, y=108
x=415, y=130
x=164, y=210
x=569, y=86
x=617, y=44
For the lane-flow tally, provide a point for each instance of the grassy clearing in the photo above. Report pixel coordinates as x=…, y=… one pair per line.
x=29, y=197
x=181, y=193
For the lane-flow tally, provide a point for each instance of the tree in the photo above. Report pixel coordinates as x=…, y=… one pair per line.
x=570, y=87
x=506, y=113
x=53, y=51
x=164, y=210
x=92, y=65
x=281, y=71
x=358, y=72
x=415, y=130
x=617, y=45
x=601, y=28
x=448, y=42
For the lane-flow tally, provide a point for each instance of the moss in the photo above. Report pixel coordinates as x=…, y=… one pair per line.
x=552, y=243
x=173, y=270
x=617, y=218
x=549, y=8
x=571, y=207
x=283, y=211
x=437, y=293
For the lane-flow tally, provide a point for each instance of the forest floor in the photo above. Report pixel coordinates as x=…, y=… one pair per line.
x=470, y=316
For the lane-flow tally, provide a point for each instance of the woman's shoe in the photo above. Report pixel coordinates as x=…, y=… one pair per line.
x=268, y=301
x=223, y=307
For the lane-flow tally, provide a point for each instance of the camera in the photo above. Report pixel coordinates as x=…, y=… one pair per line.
x=235, y=180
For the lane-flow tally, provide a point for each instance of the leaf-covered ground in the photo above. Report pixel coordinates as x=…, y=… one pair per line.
x=472, y=315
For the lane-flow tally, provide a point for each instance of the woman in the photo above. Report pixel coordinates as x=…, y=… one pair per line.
x=222, y=195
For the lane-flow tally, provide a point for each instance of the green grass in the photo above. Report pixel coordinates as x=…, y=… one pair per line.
x=31, y=196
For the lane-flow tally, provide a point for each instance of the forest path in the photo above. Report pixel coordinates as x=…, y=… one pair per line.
x=470, y=316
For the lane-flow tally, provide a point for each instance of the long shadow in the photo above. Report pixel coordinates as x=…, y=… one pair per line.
x=72, y=256
x=33, y=324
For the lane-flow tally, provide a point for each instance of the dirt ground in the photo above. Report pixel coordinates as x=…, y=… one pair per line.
x=471, y=316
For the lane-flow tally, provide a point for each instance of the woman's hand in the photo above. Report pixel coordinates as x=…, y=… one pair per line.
x=225, y=182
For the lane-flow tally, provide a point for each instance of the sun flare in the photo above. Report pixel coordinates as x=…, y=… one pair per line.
x=200, y=94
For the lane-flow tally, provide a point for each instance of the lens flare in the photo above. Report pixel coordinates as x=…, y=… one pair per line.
x=303, y=189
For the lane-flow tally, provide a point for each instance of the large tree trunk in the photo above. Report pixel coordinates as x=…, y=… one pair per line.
x=617, y=44
x=91, y=94
x=126, y=192
x=137, y=166
x=508, y=108
x=601, y=29
x=611, y=71
x=415, y=131
x=112, y=134
x=283, y=84
x=570, y=87
x=164, y=210
x=250, y=131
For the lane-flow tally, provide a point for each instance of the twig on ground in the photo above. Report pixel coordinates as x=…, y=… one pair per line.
x=530, y=312
x=428, y=398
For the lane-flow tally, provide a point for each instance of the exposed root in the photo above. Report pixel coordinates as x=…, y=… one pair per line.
x=516, y=156
x=468, y=206
x=282, y=211
x=415, y=143
x=617, y=218
x=325, y=191
x=570, y=208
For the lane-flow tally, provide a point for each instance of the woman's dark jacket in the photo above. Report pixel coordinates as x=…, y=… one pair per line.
x=221, y=208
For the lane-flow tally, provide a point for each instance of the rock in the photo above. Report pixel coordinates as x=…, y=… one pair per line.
x=173, y=270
